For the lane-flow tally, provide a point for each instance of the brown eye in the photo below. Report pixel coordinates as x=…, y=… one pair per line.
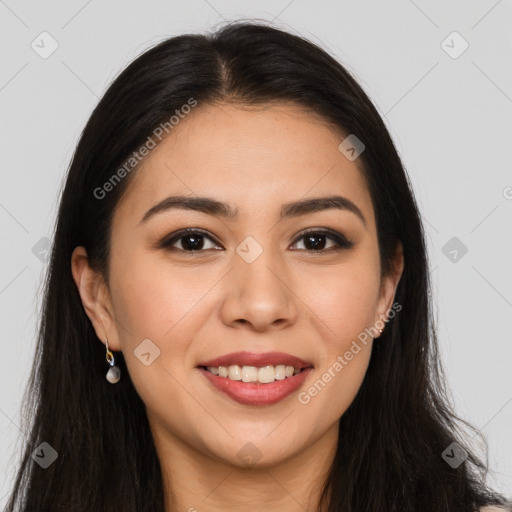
x=316, y=240
x=188, y=240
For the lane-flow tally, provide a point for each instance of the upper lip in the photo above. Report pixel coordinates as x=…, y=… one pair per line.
x=253, y=359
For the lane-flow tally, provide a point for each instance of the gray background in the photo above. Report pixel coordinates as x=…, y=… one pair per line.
x=449, y=117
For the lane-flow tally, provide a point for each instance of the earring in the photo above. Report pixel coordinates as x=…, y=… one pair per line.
x=114, y=372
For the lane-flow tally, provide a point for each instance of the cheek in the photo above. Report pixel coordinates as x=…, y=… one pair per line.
x=343, y=304
x=152, y=298
x=154, y=302
x=344, y=299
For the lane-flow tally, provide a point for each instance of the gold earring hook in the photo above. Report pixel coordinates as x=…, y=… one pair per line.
x=110, y=356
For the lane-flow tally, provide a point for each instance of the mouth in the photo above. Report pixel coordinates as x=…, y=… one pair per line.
x=250, y=367
x=261, y=375
x=256, y=379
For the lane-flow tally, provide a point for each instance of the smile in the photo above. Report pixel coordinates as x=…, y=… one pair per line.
x=263, y=375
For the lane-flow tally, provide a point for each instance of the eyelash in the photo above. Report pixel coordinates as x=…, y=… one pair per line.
x=341, y=241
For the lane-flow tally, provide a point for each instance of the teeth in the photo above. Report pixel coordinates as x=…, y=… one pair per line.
x=235, y=372
x=281, y=371
x=264, y=375
x=249, y=374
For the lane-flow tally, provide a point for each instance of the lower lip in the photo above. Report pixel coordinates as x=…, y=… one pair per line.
x=255, y=393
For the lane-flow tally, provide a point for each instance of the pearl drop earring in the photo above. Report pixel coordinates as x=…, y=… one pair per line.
x=114, y=372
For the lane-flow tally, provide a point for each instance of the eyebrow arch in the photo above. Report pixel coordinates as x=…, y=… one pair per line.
x=216, y=208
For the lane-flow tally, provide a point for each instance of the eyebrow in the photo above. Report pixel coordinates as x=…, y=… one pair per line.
x=216, y=208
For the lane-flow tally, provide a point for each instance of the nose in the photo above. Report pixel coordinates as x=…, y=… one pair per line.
x=259, y=296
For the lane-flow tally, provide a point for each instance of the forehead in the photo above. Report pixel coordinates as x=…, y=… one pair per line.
x=252, y=157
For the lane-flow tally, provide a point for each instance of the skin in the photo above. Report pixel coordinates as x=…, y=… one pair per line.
x=198, y=306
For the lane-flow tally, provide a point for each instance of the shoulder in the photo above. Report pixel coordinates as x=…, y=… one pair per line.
x=492, y=508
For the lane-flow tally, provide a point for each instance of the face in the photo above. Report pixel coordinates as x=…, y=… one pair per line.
x=252, y=282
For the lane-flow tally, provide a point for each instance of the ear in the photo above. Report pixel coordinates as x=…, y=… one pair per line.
x=389, y=284
x=95, y=298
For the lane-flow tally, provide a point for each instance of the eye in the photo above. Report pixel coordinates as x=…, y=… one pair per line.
x=189, y=239
x=315, y=240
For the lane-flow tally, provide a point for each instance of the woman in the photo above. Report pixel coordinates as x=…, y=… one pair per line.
x=238, y=245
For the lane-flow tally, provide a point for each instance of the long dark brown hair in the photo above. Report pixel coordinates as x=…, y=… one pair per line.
x=392, y=437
